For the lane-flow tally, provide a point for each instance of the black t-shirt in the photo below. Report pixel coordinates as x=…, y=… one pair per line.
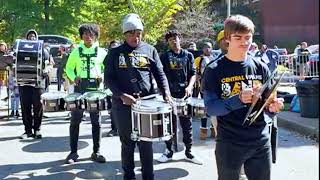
x=179, y=68
x=225, y=79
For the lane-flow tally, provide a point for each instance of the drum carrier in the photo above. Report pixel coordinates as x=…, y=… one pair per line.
x=53, y=101
x=29, y=63
x=94, y=101
x=151, y=120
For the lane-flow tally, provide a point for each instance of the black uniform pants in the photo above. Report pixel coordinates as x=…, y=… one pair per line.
x=122, y=116
x=31, y=99
x=76, y=117
x=186, y=126
x=109, y=107
x=59, y=77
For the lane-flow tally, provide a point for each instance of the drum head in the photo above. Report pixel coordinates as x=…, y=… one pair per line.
x=53, y=95
x=94, y=95
x=196, y=102
x=108, y=92
x=180, y=102
x=152, y=106
x=72, y=97
x=29, y=46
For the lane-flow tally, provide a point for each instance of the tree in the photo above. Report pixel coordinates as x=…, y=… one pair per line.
x=63, y=17
x=194, y=22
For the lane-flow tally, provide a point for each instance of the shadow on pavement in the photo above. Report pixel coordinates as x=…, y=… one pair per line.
x=88, y=170
x=12, y=124
x=53, y=144
x=8, y=138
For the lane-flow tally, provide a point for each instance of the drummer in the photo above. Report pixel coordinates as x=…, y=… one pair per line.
x=84, y=67
x=129, y=72
x=178, y=64
x=30, y=97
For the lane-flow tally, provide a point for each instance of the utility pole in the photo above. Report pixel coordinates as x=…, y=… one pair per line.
x=229, y=8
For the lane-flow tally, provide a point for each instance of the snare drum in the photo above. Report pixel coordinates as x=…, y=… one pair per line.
x=198, y=108
x=151, y=120
x=94, y=101
x=181, y=106
x=52, y=101
x=73, y=102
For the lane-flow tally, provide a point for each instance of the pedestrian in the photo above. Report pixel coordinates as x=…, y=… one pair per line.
x=229, y=85
x=179, y=67
x=303, y=58
x=128, y=81
x=14, y=96
x=222, y=44
x=3, y=48
x=61, y=64
x=30, y=97
x=206, y=58
x=114, y=130
x=268, y=56
x=253, y=49
x=85, y=67
x=68, y=84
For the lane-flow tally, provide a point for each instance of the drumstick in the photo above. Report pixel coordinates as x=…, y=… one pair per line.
x=151, y=96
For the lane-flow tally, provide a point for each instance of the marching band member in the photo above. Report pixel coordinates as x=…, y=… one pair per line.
x=128, y=74
x=229, y=85
x=178, y=64
x=84, y=67
x=31, y=99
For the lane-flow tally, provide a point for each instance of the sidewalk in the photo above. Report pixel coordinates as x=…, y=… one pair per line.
x=294, y=122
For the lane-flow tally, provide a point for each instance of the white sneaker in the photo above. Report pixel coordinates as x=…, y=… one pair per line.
x=165, y=157
x=194, y=160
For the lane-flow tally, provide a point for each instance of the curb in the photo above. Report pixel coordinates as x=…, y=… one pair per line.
x=307, y=130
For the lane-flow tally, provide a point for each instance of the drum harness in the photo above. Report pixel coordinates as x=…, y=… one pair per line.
x=91, y=81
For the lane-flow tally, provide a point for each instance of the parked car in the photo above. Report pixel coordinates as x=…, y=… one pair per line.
x=55, y=42
x=54, y=39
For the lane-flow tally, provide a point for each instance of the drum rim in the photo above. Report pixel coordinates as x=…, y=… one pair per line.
x=60, y=95
x=198, y=102
x=166, y=108
x=76, y=99
x=84, y=96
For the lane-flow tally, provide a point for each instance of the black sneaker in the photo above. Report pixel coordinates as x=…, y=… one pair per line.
x=97, y=157
x=37, y=135
x=17, y=113
x=12, y=113
x=192, y=158
x=112, y=133
x=71, y=158
x=26, y=135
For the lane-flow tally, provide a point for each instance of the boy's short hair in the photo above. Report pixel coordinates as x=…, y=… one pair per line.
x=237, y=23
x=172, y=33
x=89, y=27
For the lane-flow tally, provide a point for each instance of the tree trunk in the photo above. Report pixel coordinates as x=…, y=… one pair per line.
x=46, y=15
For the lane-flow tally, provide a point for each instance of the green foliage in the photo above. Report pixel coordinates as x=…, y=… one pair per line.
x=63, y=17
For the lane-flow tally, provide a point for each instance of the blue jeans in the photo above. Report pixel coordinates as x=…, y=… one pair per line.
x=256, y=161
x=15, y=102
